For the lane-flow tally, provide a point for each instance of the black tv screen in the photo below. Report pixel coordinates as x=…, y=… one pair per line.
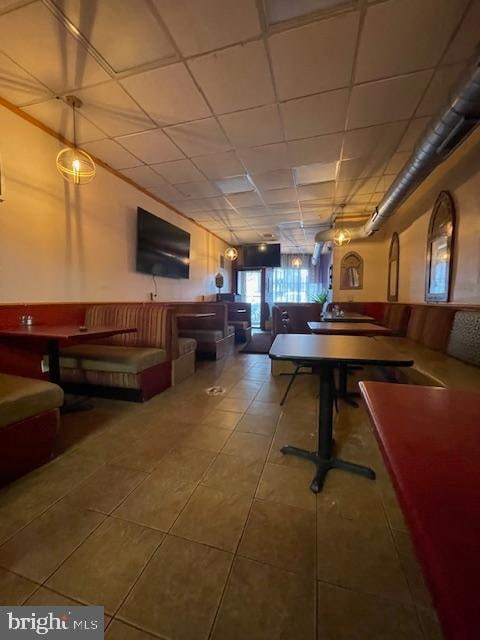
x=162, y=248
x=261, y=255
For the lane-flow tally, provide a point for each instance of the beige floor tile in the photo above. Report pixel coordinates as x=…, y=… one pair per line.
x=250, y=446
x=242, y=392
x=157, y=502
x=238, y=405
x=142, y=456
x=303, y=440
x=271, y=409
x=14, y=590
x=265, y=602
x=222, y=419
x=213, y=517
x=179, y=591
x=105, y=489
x=263, y=425
x=106, y=565
x=207, y=438
x=47, y=597
x=430, y=624
x=120, y=631
x=280, y=535
x=234, y=474
x=288, y=485
x=38, y=549
x=351, y=496
x=348, y=615
x=185, y=463
x=106, y=447
x=412, y=570
x=359, y=555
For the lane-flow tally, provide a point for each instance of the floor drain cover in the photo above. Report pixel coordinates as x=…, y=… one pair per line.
x=215, y=391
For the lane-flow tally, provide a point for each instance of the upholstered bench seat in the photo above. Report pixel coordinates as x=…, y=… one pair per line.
x=239, y=323
x=104, y=357
x=22, y=398
x=186, y=345
x=202, y=335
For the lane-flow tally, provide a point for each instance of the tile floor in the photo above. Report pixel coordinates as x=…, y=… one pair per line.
x=182, y=518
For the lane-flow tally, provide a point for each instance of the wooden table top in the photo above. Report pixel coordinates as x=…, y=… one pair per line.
x=353, y=349
x=349, y=328
x=62, y=332
x=430, y=439
x=195, y=315
x=348, y=316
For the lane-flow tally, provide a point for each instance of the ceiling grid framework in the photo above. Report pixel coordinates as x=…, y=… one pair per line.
x=258, y=117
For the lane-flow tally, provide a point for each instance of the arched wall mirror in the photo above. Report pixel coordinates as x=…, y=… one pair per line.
x=440, y=245
x=351, y=271
x=393, y=269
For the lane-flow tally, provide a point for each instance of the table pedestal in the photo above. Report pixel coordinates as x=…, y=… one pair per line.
x=323, y=458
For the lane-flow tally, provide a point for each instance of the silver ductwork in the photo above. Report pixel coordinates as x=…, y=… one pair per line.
x=442, y=137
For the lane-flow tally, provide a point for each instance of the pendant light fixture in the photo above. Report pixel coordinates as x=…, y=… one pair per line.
x=297, y=262
x=75, y=165
x=231, y=253
x=342, y=237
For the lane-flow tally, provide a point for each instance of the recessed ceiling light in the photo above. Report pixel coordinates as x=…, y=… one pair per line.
x=314, y=173
x=279, y=10
x=235, y=184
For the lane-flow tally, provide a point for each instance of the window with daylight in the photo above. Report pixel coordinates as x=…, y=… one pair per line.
x=297, y=280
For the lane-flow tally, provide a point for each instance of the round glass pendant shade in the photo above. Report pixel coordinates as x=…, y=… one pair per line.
x=297, y=263
x=231, y=253
x=75, y=165
x=341, y=237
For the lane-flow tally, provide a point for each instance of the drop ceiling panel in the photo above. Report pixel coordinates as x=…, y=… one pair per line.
x=112, y=153
x=400, y=36
x=397, y=162
x=352, y=188
x=315, y=115
x=386, y=100
x=144, y=176
x=465, y=42
x=247, y=199
x=319, y=149
x=279, y=179
x=363, y=167
x=280, y=196
x=167, y=193
x=58, y=116
x=116, y=29
x=203, y=25
x=34, y=38
x=315, y=172
x=199, y=138
x=253, y=127
x=253, y=211
x=302, y=58
x=220, y=165
x=379, y=141
x=168, y=95
x=235, y=184
x=204, y=204
x=235, y=78
x=112, y=110
x=151, y=147
x=280, y=10
x=266, y=158
x=17, y=86
x=203, y=189
x=311, y=191
x=178, y=171
x=415, y=129
x=441, y=90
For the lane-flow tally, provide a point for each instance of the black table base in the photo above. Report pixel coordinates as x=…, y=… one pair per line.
x=323, y=458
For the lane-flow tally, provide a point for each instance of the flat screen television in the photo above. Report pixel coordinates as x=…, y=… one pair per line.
x=162, y=248
x=261, y=255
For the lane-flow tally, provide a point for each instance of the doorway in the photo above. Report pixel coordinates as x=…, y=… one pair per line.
x=250, y=288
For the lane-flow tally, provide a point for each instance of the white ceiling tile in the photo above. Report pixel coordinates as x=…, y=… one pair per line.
x=441, y=90
x=386, y=100
x=235, y=78
x=203, y=25
x=315, y=172
x=199, y=138
x=168, y=95
x=279, y=179
x=203, y=189
x=319, y=149
x=379, y=141
x=363, y=167
x=415, y=129
x=178, y=171
x=355, y=187
x=465, y=42
x=299, y=56
x=253, y=127
x=266, y=158
x=315, y=115
x=247, y=199
x=284, y=207
x=34, y=38
x=205, y=204
x=220, y=165
x=17, y=86
x=167, y=193
x=280, y=196
x=400, y=36
x=235, y=184
x=322, y=190
x=144, y=176
x=58, y=116
x=384, y=183
x=110, y=108
x=253, y=212
x=116, y=29
x=280, y=10
x=397, y=162
x=112, y=153
x=151, y=146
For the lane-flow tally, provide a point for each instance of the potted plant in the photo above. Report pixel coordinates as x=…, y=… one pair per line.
x=321, y=298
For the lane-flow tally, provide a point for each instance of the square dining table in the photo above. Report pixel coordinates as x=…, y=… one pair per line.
x=324, y=354
x=346, y=316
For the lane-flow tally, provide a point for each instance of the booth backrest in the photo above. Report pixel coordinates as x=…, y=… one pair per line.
x=240, y=312
x=299, y=315
x=219, y=321
x=464, y=342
